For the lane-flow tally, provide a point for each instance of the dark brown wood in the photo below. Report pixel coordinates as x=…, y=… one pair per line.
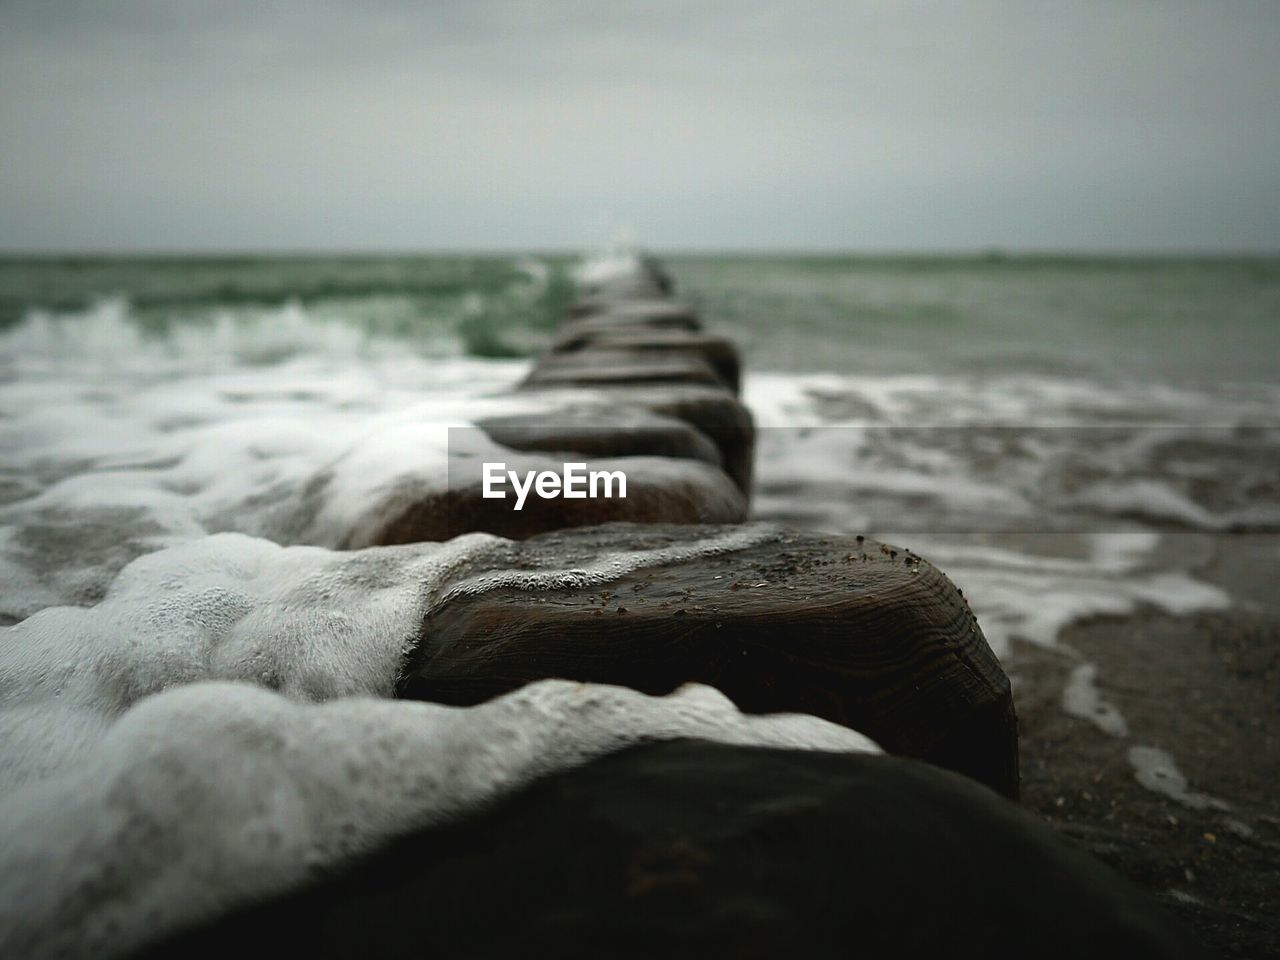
x=631, y=380
x=644, y=351
x=711, y=410
x=714, y=411
x=656, y=312
x=608, y=366
x=718, y=352
x=853, y=631
x=694, y=849
x=659, y=490
x=594, y=432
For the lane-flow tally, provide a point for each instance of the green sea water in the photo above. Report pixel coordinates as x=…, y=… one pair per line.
x=1182, y=320
x=1200, y=320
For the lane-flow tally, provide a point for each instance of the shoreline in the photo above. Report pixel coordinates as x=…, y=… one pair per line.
x=1204, y=689
x=869, y=637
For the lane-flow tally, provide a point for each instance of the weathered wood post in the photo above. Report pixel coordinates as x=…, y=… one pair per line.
x=837, y=626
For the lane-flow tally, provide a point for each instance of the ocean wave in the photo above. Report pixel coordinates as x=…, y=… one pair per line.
x=188, y=647
x=509, y=316
x=1016, y=454
x=229, y=698
x=111, y=332
x=109, y=452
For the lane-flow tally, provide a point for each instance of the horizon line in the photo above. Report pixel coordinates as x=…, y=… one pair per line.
x=988, y=252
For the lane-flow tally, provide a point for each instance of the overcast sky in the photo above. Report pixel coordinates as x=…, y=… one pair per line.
x=391, y=124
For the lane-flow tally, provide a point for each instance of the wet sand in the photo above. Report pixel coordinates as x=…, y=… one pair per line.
x=1206, y=690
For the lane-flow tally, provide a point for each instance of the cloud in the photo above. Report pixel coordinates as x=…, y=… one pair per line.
x=723, y=124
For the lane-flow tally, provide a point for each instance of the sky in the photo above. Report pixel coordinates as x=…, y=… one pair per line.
x=937, y=125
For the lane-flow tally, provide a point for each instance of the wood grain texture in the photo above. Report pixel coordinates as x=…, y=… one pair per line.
x=718, y=352
x=607, y=366
x=852, y=631
x=711, y=410
x=594, y=432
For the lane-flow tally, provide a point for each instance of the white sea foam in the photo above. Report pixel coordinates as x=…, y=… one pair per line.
x=784, y=399
x=310, y=623
x=1156, y=770
x=178, y=702
x=617, y=263
x=103, y=463
x=184, y=699
x=1082, y=699
x=106, y=460
x=109, y=332
x=1033, y=597
x=161, y=756
x=216, y=794
x=1016, y=453
x=1041, y=498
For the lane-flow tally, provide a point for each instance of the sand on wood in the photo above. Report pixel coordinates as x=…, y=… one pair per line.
x=849, y=630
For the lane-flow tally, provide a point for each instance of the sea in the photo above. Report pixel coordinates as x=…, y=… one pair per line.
x=990, y=396
x=1066, y=437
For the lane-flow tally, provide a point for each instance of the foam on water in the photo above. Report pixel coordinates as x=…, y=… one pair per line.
x=205, y=727
x=313, y=624
x=1047, y=501
x=162, y=757
x=1042, y=498
x=1017, y=453
x=1156, y=770
x=1082, y=699
x=216, y=794
x=1033, y=597
x=616, y=263
x=104, y=462
x=109, y=330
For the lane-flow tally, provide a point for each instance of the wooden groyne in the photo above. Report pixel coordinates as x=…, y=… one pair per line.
x=631, y=382
x=840, y=627
x=693, y=848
